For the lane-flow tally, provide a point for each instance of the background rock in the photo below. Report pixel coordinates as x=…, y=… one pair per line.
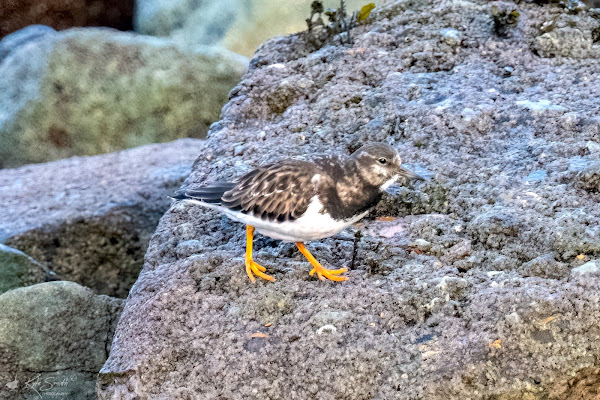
x=90, y=91
x=89, y=219
x=486, y=309
x=239, y=25
x=62, y=14
x=54, y=338
x=17, y=269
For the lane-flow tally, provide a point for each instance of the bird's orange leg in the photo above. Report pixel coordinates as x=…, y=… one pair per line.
x=251, y=266
x=322, y=273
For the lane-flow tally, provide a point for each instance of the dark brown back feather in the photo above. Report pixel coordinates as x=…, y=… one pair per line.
x=280, y=191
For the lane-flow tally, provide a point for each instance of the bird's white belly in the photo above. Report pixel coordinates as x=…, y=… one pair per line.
x=311, y=225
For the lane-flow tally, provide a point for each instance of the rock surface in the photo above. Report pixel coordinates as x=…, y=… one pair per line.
x=17, y=269
x=89, y=219
x=54, y=337
x=89, y=91
x=460, y=287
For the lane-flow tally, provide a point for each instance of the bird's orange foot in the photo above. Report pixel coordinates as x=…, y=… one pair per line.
x=253, y=268
x=331, y=274
x=322, y=273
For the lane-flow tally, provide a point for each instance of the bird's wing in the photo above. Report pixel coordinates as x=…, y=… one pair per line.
x=280, y=191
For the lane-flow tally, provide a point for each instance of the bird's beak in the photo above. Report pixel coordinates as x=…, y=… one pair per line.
x=409, y=174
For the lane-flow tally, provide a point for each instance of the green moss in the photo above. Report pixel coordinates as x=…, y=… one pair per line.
x=340, y=23
x=505, y=19
x=18, y=270
x=104, y=92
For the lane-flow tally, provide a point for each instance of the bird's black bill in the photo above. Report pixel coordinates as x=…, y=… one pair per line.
x=409, y=174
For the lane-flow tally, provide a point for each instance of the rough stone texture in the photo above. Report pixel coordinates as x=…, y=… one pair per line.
x=17, y=269
x=62, y=14
x=89, y=219
x=88, y=91
x=460, y=287
x=51, y=333
x=239, y=25
x=569, y=36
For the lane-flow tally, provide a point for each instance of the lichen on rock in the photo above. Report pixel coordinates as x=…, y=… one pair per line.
x=91, y=91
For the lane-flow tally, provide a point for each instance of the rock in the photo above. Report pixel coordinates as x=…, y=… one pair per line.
x=457, y=252
x=93, y=222
x=16, y=15
x=589, y=177
x=203, y=23
x=17, y=269
x=566, y=42
x=55, y=336
x=55, y=100
x=568, y=36
x=505, y=17
x=539, y=106
x=422, y=244
x=451, y=36
x=593, y=147
x=545, y=266
x=587, y=268
x=484, y=313
x=21, y=37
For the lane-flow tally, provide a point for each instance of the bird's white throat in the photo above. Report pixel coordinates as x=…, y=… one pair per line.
x=389, y=183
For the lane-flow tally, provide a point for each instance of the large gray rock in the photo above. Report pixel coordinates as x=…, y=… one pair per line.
x=54, y=337
x=569, y=36
x=89, y=91
x=17, y=269
x=194, y=22
x=460, y=287
x=89, y=219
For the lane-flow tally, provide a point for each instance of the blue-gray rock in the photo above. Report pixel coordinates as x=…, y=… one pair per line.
x=92, y=223
x=54, y=332
x=19, y=38
x=89, y=91
x=17, y=269
x=587, y=268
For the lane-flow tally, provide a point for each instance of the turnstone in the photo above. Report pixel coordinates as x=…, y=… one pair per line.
x=302, y=200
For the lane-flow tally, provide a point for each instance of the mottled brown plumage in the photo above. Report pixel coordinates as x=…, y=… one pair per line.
x=282, y=191
x=298, y=201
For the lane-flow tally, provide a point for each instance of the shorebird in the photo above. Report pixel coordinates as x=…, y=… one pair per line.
x=302, y=200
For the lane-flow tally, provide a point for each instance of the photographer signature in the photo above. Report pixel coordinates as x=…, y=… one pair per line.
x=43, y=386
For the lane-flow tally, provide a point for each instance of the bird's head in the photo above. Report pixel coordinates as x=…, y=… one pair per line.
x=380, y=165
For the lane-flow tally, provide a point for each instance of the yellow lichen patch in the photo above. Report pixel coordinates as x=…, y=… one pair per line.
x=365, y=11
x=551, y=318
x=581, y=256
x=496, y=344
x=386, y=219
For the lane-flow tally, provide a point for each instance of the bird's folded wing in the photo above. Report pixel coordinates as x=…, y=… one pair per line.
x=279, y=192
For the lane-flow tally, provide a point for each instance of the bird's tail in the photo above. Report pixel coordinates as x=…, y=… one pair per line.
x=211, y=194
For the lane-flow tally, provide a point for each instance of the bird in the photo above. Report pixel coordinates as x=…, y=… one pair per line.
x=300, y=200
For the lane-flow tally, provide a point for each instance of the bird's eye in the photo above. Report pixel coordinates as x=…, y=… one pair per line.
x=382, y=160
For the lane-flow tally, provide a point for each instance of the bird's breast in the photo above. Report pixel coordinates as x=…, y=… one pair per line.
x=315, y=223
